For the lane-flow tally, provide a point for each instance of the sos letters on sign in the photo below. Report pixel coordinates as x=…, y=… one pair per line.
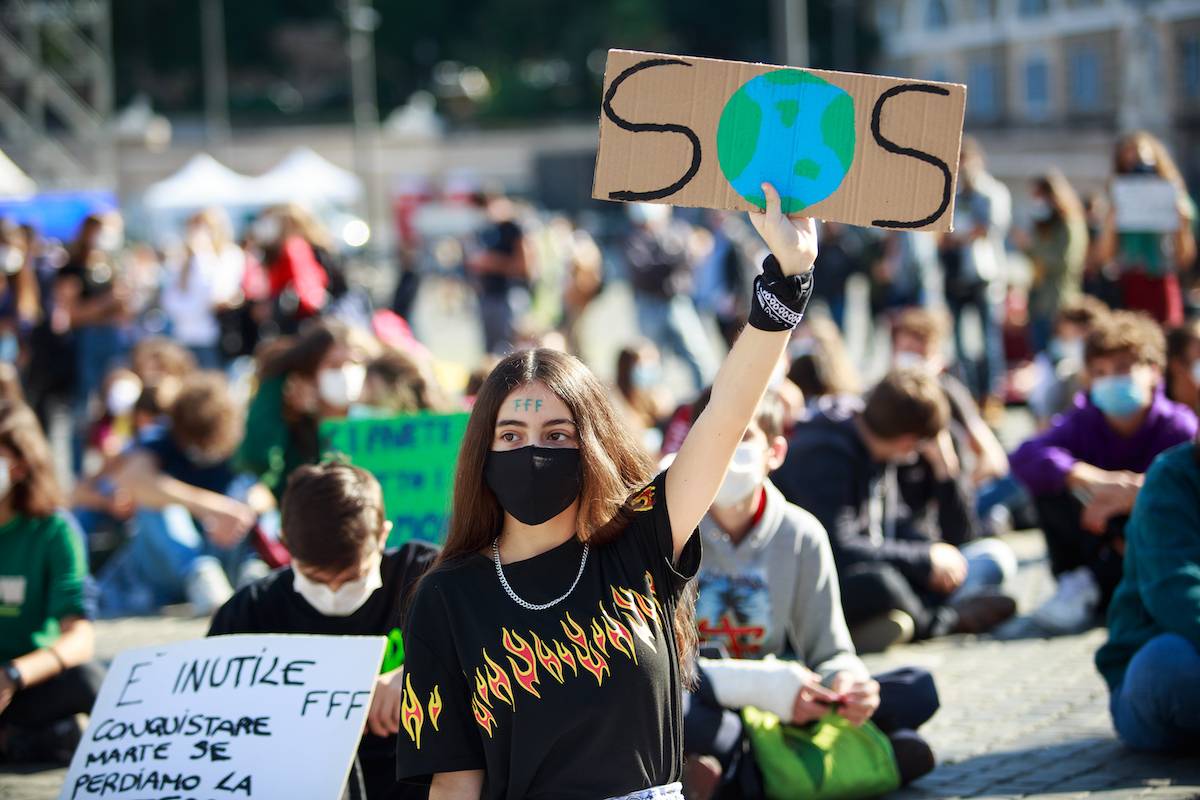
x=860, y=149
x=208, y=719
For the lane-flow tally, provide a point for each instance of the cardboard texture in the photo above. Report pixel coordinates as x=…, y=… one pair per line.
x=859, y=149
x=1145, y=203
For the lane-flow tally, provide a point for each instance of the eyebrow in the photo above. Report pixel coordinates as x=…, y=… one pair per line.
x=516, y=423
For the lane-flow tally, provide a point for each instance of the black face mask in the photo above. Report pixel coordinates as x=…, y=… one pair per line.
x=534, y=484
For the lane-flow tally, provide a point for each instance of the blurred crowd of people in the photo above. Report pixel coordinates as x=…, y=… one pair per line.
x=861, y=511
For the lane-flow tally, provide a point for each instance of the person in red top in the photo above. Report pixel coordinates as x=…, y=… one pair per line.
x=293, y=245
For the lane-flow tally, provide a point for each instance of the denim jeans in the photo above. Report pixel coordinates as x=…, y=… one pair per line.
x=674, y=325
x=985, y=375
x=1157, y=706
x=990, y=564
x=153, y=569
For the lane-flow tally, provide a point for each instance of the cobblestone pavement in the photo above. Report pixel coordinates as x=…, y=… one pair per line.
x=1021, y=716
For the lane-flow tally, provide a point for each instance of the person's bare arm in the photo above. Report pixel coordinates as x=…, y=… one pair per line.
x=75, y=646
x=466, y=785
x=697, y=472
x=1185, y=240
x=226, y=519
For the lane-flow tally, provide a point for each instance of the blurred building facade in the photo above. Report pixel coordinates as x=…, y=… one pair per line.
x=1054, y=82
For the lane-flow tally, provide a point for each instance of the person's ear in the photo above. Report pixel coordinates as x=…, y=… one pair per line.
x=776, y=453
x=384, y=533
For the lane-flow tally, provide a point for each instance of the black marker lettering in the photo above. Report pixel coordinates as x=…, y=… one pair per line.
x=651, y=127
x=121, y=701
x=911, y=152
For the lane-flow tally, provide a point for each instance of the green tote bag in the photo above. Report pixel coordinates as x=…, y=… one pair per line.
x=829, y=759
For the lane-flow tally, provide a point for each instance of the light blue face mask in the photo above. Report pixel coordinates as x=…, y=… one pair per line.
x=646, y=376
x=1118, y=396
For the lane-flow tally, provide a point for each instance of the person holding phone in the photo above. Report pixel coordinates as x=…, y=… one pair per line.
x=548, y=648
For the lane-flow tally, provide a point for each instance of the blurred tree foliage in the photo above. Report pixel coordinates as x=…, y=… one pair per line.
x=542, y=58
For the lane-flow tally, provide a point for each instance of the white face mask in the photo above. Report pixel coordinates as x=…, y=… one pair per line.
x=5, y=478
x=340, y=387
x=266, y=230
x=11, y=259
x=122, y=396
x=745, y=474
x=110, y=239
x=348, y=598
x=908, y=360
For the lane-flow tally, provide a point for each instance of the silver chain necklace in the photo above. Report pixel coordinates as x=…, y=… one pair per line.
x=523, y=603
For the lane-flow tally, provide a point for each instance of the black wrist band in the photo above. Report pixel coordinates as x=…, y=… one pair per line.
x=13, y=674
x=779, y=300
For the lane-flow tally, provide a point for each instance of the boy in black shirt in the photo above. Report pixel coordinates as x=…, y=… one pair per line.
x=341, y=583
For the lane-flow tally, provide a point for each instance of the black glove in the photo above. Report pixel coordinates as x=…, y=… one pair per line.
x=779, y=300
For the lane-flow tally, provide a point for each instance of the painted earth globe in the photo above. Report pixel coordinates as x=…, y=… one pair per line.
x=791, y=129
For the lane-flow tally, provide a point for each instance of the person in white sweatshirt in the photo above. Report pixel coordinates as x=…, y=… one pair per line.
x=770, y=608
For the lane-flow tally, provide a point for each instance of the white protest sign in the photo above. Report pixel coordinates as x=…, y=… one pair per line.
x=1145, y=203
x=228, y=718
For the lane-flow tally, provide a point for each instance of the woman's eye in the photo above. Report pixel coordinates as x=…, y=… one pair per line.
x=508, y=436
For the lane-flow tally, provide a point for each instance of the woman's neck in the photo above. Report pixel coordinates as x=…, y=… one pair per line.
x=519, y=541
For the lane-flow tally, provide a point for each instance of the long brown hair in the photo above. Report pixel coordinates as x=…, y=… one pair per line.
x=1164, y=164
x=1060, y=195
x=38, y=493
x=613, y=463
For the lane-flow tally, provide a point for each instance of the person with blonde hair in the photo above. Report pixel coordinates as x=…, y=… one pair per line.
x=1150, y=261
x=296, y=253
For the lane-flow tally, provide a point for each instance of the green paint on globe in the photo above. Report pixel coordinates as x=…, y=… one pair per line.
x=791, y=129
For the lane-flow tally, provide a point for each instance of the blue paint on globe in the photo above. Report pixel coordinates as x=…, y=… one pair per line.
x=791, y=129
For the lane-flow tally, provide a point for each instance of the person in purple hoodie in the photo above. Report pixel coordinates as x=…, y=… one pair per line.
x=1085, y=471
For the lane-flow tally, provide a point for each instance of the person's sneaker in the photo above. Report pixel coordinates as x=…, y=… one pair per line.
x=878, y=634
x=914, y=756
x=979, y=613
x=701, y=777
x=207, y=586
x=1074, y=604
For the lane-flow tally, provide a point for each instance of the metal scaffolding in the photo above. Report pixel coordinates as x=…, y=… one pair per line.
x=56, y=91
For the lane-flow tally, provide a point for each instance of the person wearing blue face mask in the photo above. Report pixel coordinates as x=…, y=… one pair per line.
x=1086, y=470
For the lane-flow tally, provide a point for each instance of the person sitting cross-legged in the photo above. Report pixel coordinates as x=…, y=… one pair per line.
x=343, y=581
x=1151, y=661
x=883, y=479
x=1085, y=471
x=768, y=588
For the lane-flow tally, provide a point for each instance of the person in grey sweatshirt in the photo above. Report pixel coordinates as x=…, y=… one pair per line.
x=767, y=590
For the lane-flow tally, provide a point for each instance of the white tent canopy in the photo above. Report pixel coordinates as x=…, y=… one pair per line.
x=303, y=176
x=13, y=182
x=202, y=181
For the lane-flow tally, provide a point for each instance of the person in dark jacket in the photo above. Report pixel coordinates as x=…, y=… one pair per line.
x=883, y=479
x=1151, y=661
x=1086, y=470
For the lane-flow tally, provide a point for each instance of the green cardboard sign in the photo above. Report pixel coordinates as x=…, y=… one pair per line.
x=413, y=458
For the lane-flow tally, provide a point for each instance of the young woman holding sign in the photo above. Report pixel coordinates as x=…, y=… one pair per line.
x=547, y=651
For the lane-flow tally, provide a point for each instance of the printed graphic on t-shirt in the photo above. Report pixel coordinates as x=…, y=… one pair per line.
x=734, y=610
x=12, y=594
x=517, y=668
x=643, y=500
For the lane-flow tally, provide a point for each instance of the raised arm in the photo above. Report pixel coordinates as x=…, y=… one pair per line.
x=780, y=296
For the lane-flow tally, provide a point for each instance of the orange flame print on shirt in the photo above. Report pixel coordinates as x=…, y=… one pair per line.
x=565, y=655
x=525, y=673
x=590, y=660
x=618, y=635
x=483, y=715
x=435, y=706
x=547, y=659
x=411, y=715
x=498, y=681
x=643, y=500
x=623, y=598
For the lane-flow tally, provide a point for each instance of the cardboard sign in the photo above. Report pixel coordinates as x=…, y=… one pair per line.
x=413, y=457
x=1145, y=203
x=228, y=717
x=860, y=149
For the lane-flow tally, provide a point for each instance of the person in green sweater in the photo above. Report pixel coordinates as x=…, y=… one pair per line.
x=317, y=375
x=1151, y=661
x=46, y=640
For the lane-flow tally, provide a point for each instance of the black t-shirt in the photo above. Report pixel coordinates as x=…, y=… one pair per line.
x=503, y=238
x=173, y=461
x=93, y=281
x=581, y=700
x=271, y=605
